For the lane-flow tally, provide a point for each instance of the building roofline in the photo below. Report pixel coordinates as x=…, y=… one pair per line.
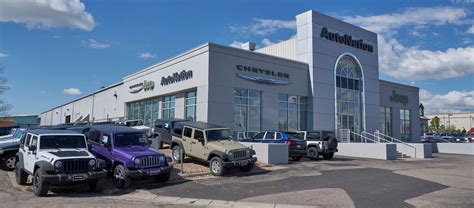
x=85, y=96
x=395, y=83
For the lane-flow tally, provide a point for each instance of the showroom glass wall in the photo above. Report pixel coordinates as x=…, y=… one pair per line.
x=168, y=106
x=349, y=94
x=292, y=112
x=386, y=120
x=405, y=125
x=247, y=110
x=190, y=106
x=146, y=110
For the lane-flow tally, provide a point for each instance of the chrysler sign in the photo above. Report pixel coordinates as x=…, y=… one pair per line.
x=259, y=71
x=346, y=40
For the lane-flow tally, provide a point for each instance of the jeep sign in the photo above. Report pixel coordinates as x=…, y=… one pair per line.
x=145, y=86
x=397, y=98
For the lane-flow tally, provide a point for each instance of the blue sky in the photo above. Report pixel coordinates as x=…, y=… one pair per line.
x=58, y=51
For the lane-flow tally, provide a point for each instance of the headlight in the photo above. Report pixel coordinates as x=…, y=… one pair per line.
x=58, y=164
x=137, y=161
x=92, y=162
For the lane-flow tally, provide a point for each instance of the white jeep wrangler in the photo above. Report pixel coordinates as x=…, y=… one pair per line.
x=56, y=157
x=318, y=143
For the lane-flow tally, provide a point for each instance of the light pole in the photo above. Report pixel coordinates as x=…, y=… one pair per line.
x=449, y=120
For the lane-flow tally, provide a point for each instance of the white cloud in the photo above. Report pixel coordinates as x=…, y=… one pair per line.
x=267, y=42
x=236, y=44
x=264, y=26
x=146, y=56
x=388, y=23
x=410, y=63
x=451, y=102
x=470, y=30
x=47, y=14
x=72, y=91
x=3, y=55
x=91, y=43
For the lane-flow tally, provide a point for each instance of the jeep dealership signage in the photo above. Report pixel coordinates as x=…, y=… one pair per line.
x=397, y=98
x=145, y=86
x=177, y=77
x=261, y=79
x=346, y=40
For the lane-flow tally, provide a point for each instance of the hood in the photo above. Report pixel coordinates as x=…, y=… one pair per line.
x=224, y=145
x=11, y=143
x=141, y=127
x=135, y=151
x=66, y=153
x=7, y=137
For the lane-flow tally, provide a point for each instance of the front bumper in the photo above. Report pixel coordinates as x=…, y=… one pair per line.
x=148, y=172
x=239, y=163
x=73, y=177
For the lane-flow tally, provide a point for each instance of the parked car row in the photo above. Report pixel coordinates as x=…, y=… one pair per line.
x=446, y=138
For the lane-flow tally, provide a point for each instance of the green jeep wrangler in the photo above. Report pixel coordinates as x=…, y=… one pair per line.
x=212, y=144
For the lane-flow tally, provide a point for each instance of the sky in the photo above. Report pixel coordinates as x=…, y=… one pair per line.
x=54, y=51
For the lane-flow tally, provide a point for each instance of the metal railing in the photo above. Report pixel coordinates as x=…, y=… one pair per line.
x=363, y=138
x=380, y=136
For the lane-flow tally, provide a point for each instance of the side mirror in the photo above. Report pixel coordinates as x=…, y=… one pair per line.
x=89, y=146
x=150, y=142
x=201, y=140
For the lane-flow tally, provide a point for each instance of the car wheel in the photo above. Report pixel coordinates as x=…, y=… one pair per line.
x=176, y=153
x=248, y=167
x=328, y=156
x=163, y=178
x=296, y=158
x=120, y=178
x=9, y=162
x=40, y=188
x=20, y=175
x=313, y=153
x=216, y=166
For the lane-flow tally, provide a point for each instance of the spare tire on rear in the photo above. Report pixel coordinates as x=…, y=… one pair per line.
x=332, y=143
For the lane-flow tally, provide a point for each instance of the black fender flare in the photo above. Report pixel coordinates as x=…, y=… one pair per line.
x=45, y=166
x=19, y=159
x=313, y=145
x=220, y=154
x=177, y=143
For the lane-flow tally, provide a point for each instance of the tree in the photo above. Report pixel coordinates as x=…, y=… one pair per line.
x=434, y=124
x=4, y=106
x=463, y=131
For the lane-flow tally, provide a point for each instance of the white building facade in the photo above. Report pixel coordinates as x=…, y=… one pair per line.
x=326, y=78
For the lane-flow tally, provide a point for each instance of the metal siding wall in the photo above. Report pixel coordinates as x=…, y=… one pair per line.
x=285, y=49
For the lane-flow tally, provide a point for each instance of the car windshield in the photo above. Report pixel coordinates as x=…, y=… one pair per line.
x=216, y=135
x=18, y=134
x=293, y=136
x=130, y=139
x=134, y=123
x=62, y=141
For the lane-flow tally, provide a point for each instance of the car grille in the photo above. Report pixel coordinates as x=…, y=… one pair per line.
x=76, y=166
x=239, y=154
x=150, y=162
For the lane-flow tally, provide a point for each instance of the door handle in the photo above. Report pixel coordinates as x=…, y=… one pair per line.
x=193, y=142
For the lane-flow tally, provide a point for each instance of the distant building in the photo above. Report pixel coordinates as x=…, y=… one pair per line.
x=459, y=120
x=424, y=121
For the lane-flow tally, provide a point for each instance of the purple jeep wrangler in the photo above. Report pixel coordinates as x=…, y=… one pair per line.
x=128, y=154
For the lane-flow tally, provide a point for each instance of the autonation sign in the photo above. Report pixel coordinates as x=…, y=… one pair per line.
x=177, y=77
x=346, y=40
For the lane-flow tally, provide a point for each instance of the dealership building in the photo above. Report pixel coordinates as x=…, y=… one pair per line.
x=324, y=78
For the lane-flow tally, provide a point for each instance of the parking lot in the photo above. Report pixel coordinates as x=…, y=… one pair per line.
x=443, y=181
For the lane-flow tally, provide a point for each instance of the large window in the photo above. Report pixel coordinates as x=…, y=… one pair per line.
x=247, y=110
x=292, y=112
x=145, y=110
x=405, y=129
x=190, y=106
x=168, y=106
x=349, y=94
x=386, y=120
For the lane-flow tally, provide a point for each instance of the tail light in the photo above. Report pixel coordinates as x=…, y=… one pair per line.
x=287, y=142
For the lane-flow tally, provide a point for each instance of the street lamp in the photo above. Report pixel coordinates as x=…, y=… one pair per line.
x=449, y=120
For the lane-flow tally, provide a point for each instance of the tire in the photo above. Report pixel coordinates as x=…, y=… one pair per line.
x=332, y=143
x=175, y=154
x=94, y=186
x=163, y=178
x=20, y=176
x=313, y=153
x=216, y=166
x=40, y=188
x=296, y=158
x=248, y=167
x=328, y=156
x=121, y=181
x=8, y=163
